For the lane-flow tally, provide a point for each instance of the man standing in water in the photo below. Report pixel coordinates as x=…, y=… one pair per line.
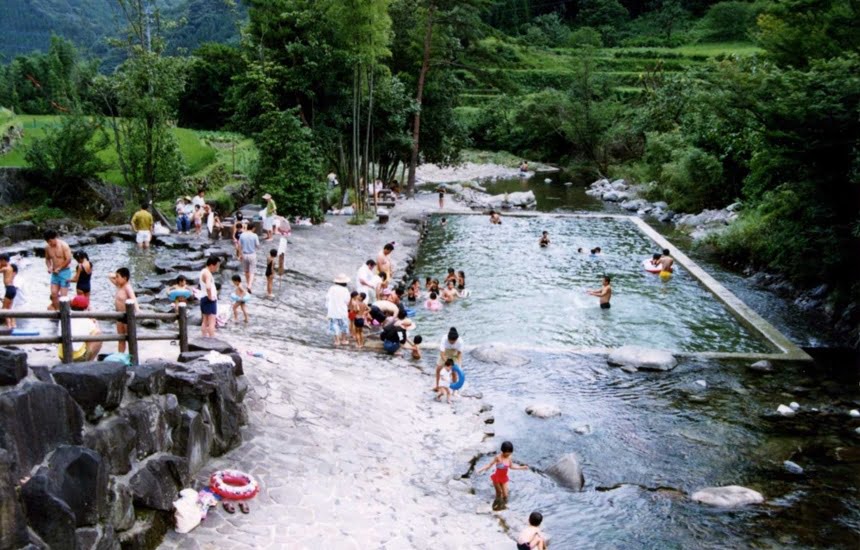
x=141, y=224
x=604, y=293
x=58, y=258
x=209, y=301
x=383, y=261
x=366, y=280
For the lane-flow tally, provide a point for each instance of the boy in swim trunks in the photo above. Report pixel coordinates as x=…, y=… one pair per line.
x=270, y=272
x=544, y=240
x=124, y=292
x=58, y=258
x=531, y=537
x=604, y=293
x=9, y=271
x=450, y=293
x=238, y=298
x=503, y=463
x=667, y=265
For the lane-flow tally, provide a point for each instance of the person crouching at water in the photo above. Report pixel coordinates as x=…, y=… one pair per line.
x=82, y=351
x=544, y=240
x=531, y=537
x=393, y=337
x=495, y=218
x=503, y=463
x=604, y=293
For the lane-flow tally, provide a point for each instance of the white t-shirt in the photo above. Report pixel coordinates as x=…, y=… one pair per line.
x=365, y=274
x=336, y=302
x=448, y=346
x=198, y=200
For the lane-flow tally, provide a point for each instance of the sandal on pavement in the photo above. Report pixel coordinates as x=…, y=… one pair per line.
x=243, y=506
x=229, y=507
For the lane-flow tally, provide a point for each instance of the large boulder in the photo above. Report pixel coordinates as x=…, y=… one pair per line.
x=34, y=420
x=151, y=424
x=96, y=538
x=80, y=477
x=148, y=530
x=13, y=366
x=120, y=505
x=730, y=496
x=191, y=356
x=96, y=386
x=158, y=481
x=115, y=440
x=148, y=378
x=542, y=410
x=642, y=358
x=48, y=514
x=13, y=525
x=21, y=231
x=568, y=472
x=210, y=344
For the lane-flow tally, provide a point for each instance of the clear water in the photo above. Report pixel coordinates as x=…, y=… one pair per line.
x=535, y=297
x=552, y=196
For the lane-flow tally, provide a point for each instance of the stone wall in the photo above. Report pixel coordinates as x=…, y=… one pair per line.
x=92, y=455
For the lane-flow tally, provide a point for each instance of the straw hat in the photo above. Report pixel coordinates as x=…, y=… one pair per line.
x=341, y=279
x=267, y=196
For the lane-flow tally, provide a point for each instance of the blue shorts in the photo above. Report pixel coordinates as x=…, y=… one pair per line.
x=391, y=347
x=208, y=307
x=61, y=279
x=338, y=326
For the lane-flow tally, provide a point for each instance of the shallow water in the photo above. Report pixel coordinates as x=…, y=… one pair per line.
x=552, y=196
x=535, y=297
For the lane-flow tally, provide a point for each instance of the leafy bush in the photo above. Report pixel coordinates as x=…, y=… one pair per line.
x=688, y=178
x=728, y=21
x=585, y=36
x=548, y=31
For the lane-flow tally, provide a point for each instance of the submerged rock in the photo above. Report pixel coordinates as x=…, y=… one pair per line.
x=792, y=468
x=642, y=358
x=542, y=410
x=762, y=366
x=785, y=411
x=568, y=472
x=730, y=496
x=494, y=353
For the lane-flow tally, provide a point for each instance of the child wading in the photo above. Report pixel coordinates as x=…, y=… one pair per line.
x=124, y=292
x=9, y=272
x=531, y=537
x=503, y=463
x=239, y=297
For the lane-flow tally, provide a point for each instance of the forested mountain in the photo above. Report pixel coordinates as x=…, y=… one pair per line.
x=27, y=25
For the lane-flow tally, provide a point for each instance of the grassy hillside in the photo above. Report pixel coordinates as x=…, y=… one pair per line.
x=198, y=153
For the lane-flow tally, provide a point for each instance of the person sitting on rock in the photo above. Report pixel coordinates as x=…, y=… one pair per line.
x=82, y=351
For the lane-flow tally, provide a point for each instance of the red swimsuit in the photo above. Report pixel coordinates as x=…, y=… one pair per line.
x=501, y=473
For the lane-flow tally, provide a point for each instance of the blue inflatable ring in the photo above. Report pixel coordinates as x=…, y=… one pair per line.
x=461, y=378
x=175, y=294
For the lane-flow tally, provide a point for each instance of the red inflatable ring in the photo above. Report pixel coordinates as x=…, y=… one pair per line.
x=234, y=485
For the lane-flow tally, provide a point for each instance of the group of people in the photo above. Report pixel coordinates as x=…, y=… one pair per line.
x=450, y=290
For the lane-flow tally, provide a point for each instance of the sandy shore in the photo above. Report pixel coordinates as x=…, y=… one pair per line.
x=350, y=448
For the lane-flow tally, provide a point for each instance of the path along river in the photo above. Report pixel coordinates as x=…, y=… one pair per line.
x=353, y=453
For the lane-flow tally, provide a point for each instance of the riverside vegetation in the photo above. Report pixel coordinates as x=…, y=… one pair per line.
x=706, y=103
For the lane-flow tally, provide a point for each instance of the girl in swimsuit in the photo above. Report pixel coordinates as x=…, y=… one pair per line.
x=503, y=463
x=83, y=273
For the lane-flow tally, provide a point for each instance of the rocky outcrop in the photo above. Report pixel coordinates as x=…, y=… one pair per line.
x=496, y=354
x=731, y=496
x=13, y=366
x=568, y=472
x=639, y=358
x=157, y=483
x=13, y=525
x=79, y=477
x=96, y=386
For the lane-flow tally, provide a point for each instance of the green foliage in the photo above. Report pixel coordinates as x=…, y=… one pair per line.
x=585, y=36
x=607, y=16
x=692, y=181
x=210, y=76
x=67, y=155
x=547, y=30
x=288, y=167
x=728, y=21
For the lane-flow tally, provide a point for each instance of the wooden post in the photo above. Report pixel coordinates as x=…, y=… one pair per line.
x=131, y=324
x=66, y=328
x=182, y=319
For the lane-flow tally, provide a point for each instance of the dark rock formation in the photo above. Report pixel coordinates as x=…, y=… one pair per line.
x=120, y=512
x=21, y=231
x=150, y=423
x=34, y=420
x=13, y=526
x=96, y=386
x=148, y=378
x=13, y=366
x=159, y=481
x=192, y=439
x=148, y=530
x=210, y=344
x=79, y=478
x=96, y=538
x=191, y=356
x=115, y=440
x=49, y=516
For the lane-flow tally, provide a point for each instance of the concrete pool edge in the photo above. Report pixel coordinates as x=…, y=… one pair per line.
x=788, y=350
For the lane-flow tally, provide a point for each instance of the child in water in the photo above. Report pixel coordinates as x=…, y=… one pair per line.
x=544, y=240
x=9, y=272
x=503, y=463
x=531, y=537
x=445, y=376
x=124, y=292
x=433, y=304
x=239, y=297
x=181, y=285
